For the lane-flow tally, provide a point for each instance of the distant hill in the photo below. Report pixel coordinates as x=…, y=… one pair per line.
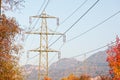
x=30, y=72
x=94, y=65
x=63, y=68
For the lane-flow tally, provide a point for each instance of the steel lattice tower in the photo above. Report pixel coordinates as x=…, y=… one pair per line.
x=44, y=47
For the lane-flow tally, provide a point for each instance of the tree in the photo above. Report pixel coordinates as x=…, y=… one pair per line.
x=84, y=77
x=9, y=50
x=47, y=78
x=104, y=77
x=114, y=59
x=70, y=77
x=73, y=77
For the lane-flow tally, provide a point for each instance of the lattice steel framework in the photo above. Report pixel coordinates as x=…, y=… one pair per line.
x=44, y=47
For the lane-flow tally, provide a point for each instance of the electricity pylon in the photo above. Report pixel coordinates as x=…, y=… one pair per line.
x=44, y=47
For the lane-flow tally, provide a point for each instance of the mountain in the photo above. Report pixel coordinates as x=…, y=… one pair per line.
x=94, y=65
x=63, y=68
x=30, y=72
x=98, y=64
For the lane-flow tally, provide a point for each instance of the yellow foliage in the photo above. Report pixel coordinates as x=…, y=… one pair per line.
x=9, y=69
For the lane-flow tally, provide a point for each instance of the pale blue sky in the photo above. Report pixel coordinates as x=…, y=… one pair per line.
x=96, y=38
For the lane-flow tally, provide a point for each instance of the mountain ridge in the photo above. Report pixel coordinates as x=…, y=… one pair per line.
x=94, y=65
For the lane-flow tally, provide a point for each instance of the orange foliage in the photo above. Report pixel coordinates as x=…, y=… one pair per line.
x=47, y=78
x=114, y=60
x=73, y=77
x=9, y=69
x=84, y=77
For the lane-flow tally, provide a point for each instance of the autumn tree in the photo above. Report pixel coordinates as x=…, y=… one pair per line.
x=114, y=59
x=70, y=77
x=9, y=49
x=84, y=77
x=104, y=77
x=47, y=78
x=73, y=77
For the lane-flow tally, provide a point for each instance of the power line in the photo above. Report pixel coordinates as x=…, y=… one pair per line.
x=74, y=12
x=81, y=17
x=75, y=22
x=33, y=57
x=38, y=13
x=46, y=5
x=52, y=58
x=37, y=19
x=93, y=50
x=94, y=26
x=70, y=16
x=91, y=28
x=42, y=5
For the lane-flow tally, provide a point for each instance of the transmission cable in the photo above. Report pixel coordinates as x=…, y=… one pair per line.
x=69, y=17
x=46, y=5
x=37, y=19
x=93, y=50
x=94, y=26
x=52, y=58
x=75, y=22
x=38, y=13
x=90, y=29
x=73, y=12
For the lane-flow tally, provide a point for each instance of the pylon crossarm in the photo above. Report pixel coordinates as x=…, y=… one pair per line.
x=43, y=15
x=44, y=51
x=44, y=33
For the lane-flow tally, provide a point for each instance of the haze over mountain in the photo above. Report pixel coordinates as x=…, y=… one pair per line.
x=94, y=65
